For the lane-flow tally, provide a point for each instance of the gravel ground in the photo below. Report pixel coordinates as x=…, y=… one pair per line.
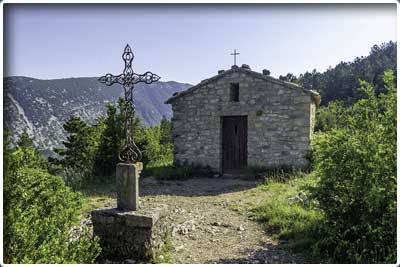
x=205, y=228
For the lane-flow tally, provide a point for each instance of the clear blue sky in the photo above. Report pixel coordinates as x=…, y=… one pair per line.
x=188, y=43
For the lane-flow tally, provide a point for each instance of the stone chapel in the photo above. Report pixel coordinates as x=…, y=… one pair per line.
x=242, y=118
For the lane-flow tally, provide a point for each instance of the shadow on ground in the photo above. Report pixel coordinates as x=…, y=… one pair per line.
x=150, y=186
x=269, y=253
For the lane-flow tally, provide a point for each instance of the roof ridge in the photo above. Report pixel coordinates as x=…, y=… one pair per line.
x=235, y=68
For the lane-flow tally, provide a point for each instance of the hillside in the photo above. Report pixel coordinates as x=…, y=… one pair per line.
x=42, y=106
x=341, y=82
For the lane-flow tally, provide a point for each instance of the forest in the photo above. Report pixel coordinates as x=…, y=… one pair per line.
x=347, y=216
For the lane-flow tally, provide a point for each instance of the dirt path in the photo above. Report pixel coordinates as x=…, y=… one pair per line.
x=205, y=228
x=204, y=225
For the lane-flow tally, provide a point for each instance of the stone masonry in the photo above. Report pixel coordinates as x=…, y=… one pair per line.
x=280, y=117
x=130, y=231
x=136, y=235
x=127, y=176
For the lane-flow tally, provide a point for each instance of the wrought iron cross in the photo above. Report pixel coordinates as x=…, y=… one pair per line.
x=129, y=152
x=234, y=54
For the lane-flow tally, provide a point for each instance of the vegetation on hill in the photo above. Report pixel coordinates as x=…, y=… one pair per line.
x=92, y=150
x=342, y=81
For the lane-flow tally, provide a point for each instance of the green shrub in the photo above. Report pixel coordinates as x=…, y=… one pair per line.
x=72, y=178
x=171, y=172
x=179, y=171
x=280, y=174
x=79, y=148
x=155, y=153
x=357, y=187
x=165, y=254
x=39, y=212
x=331, y=116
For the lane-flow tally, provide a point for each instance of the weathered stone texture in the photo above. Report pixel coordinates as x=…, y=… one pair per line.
x=127, y=176
x=280, y=121
x=135, y=235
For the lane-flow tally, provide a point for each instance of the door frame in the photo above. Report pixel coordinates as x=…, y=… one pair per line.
x=222, y=140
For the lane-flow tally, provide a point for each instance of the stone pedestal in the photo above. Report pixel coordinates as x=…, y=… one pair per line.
x=136, y=235
x=128, y=185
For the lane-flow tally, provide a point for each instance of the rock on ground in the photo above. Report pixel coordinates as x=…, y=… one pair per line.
x=205, y=228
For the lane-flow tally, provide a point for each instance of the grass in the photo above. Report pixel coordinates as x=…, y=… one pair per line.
x=280, y=174
x=96, y=194
x=283, y=206
x=165, y=254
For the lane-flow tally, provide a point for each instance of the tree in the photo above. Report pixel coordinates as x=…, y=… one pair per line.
x=155, y=152
x=340, y=82
x=110, y=141
x=24, y=140
x=166, y=131
x=78, y=153
x=112, y=138
x=289, y=78
x=25, y=143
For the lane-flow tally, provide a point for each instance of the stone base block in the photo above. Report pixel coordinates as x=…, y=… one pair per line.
x=136, y=235
x=127, y=176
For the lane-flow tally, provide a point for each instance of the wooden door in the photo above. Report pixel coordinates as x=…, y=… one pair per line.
x=234, y=144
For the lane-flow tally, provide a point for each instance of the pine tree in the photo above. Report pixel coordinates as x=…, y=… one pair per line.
x=112, y=138
x=25, y=143
x=24, y=140
x=79, y=147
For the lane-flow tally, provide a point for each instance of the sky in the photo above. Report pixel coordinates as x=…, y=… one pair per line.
x=189, y=43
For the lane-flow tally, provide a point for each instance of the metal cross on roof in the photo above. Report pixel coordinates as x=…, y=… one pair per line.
x=129, y=152
x=234, y=54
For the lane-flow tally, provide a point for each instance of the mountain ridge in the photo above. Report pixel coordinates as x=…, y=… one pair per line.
x=41, y=106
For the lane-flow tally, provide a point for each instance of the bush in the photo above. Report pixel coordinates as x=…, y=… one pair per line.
x=73, y=177
x=331, y=116
x=180, y=171
x=280, y=174
x=155, y=153
x=39, y=212
x=357, y=187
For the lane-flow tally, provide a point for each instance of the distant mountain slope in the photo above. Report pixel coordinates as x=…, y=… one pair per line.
x=42, y=106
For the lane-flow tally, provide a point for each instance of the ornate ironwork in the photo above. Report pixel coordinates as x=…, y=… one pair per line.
x=129, y=152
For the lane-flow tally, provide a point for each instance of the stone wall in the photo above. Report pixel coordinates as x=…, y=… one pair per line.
x=280, y=121
x=313, y=110
x=134, y=235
